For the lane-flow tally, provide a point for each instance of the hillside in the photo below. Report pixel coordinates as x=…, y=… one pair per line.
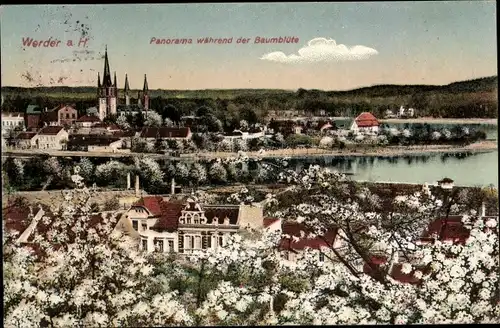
x=473, y=98
x=477, y=85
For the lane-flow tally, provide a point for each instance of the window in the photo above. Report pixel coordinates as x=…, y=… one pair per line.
x=321, y=257
x=171, y=246
x=188, y=218
x=73, y=115
x=158, y=245
x=221, y=241
x=197, y=243
x=144, y=243
x=196, y=218
x=144, y=226
x=67, y=115
x=135, y=225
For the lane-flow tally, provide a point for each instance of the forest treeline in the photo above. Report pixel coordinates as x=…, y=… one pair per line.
x=467, y=99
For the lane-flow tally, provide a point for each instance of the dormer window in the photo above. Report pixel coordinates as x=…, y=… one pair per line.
x=196, y=218
x=226, y=221
x=215, y=220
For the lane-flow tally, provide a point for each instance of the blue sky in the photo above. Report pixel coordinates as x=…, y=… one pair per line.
x=398, y=42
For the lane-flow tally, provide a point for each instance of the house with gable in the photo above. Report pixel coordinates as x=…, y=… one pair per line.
x=367, y=123
x=87, y=121
x=51, y=137
x=172, y=226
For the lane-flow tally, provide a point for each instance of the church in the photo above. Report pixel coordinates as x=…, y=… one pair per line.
x=107, y=93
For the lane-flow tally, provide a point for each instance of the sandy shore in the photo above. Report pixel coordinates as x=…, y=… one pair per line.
x=431, y=120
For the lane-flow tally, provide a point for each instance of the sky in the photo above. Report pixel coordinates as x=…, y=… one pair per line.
x=340, y=46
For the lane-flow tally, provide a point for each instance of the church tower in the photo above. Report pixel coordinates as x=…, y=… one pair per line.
x=145, y=94
x=126, y=91
x=107, y=90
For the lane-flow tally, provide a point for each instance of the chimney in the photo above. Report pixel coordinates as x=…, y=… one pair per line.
x=172, y=187
x=137, y=191
x=483, y=209
x=128, y=181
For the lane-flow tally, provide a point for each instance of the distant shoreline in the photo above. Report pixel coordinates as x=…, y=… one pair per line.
x=388, y=151
x=434, y=120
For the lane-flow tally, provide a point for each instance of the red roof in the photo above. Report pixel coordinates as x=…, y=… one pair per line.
x=366, y=120
x=16, y=216
x=168, y=212
x=88, y=118
x=294, y=229
x=269, y=221
x=50, y=130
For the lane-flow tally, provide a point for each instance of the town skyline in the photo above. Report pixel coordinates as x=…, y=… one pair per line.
x=459, y=39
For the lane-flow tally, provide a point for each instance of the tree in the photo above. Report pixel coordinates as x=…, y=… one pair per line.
x=111, y=204
x=85, y=276
x=168, y=122
x=123, y=123
x=181, y=172
x=198, y=174
x=218, y=172
x=244, y=125
x=139, y=120
x=153, y=119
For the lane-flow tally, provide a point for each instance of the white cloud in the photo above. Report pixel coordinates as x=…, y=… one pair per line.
x=322, y=50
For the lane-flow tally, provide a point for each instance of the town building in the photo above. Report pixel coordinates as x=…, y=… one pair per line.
x=32, y=116
x=96, y=143
x=51, y=137
x=165, y=133
x=87, y=121
x=170, y=226
x=107, y=93
x=11, y=121
x=26, y=140
x=406, y=112
x=367, y=123
x=62, y=115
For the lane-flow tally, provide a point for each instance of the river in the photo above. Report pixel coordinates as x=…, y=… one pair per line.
x=466, y=169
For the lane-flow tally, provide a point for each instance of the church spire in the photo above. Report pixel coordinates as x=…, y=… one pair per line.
x=145, y=88
x=106, y=79
x=127, y=88
x=98, y=80
x=114, y=84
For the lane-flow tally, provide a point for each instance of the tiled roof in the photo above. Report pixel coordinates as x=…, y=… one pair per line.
x=168, y=213
x=293, y=229
x=16, y=216
x=164, y=132
x=50, y=130
x=366, y=120
x=269, y=221
x=221, y=212
x=52, y=116
x=88, y=118
x=26, y=135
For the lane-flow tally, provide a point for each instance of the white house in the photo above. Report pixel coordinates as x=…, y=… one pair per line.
x=51, y=137
x=181, y=227
x=367, y=123
x=11, y=121
x=406, y=112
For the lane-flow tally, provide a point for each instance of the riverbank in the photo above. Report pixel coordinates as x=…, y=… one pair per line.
x=433, y=120
x=483, y=146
